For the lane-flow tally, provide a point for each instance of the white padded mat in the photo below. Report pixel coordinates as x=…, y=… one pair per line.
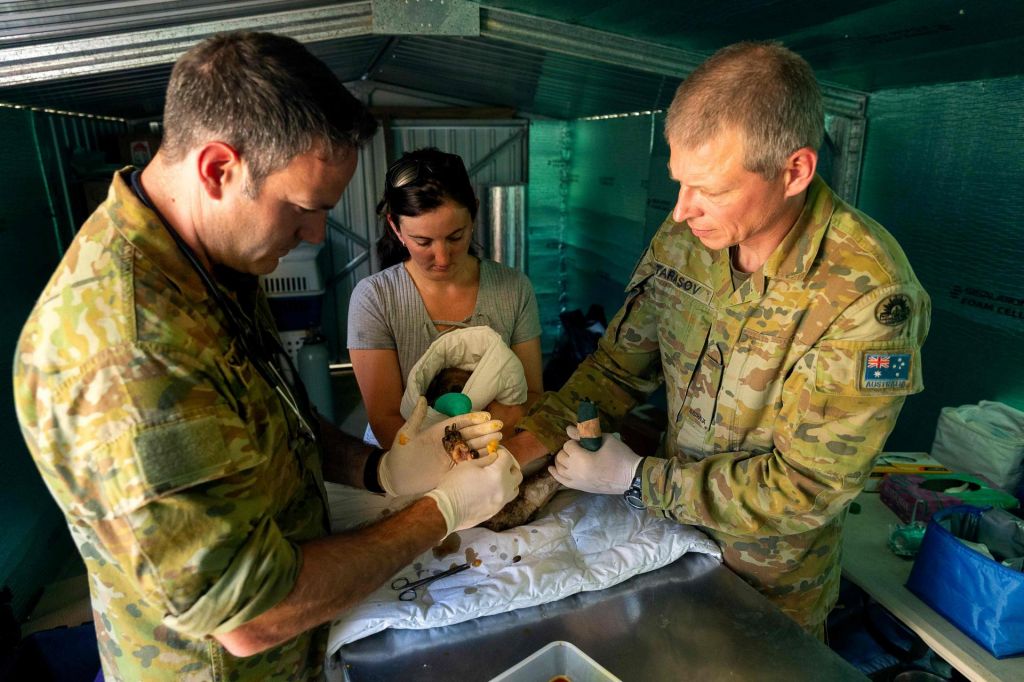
x=579, y=543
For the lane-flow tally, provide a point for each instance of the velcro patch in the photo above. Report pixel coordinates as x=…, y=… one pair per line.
x=886, y=370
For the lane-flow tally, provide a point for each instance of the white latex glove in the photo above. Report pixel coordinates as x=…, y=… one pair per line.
x=607, y=471
x=417, y=460
x=476, y=490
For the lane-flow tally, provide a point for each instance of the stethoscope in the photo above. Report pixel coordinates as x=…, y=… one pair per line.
x=242, y=328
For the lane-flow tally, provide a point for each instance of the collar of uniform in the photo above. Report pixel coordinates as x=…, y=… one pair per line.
x=792, y=259
x=143, y=229
x=240, y=286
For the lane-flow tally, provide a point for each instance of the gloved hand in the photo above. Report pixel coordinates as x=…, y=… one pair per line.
x=607, y=471
x=417, y=460
x=476, y=490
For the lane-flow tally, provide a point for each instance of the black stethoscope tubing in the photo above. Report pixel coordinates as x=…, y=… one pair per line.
x=240, y=324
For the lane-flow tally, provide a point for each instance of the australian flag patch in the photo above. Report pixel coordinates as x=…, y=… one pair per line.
x=886, y=370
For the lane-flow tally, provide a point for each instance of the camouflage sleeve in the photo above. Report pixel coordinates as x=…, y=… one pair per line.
x=178, y=504
x=209, y=549
x=831, y=424
x=625, y=368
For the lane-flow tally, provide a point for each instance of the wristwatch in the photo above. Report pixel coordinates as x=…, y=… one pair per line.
x=634, y=493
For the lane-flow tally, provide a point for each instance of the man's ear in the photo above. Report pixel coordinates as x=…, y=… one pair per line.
x=799, y=170
x=218, y=165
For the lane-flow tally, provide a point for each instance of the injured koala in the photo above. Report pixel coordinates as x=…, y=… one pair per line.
x=534, y=491
x=448, y=380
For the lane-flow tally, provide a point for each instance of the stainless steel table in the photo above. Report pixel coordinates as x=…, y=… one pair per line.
x=691, y=620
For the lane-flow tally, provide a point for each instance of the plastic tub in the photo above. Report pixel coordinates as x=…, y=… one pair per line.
x=561, y=661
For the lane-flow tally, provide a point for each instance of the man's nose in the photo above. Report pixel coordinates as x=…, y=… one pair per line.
x=686, y=207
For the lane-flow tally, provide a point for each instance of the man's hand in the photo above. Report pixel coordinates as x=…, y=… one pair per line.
x=418, y=460
x=607, y=471
x=476, y=490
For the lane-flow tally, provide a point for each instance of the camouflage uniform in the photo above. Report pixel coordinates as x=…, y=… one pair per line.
x=780, y=393
x=178, y=469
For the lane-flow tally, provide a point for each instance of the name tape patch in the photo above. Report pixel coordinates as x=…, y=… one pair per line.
x=683, y=283
x=886, y=370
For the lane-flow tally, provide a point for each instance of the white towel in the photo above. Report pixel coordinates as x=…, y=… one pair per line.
x=497, y=373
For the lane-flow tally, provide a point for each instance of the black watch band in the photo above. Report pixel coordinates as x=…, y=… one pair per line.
x=370, y=479
x=634, y=494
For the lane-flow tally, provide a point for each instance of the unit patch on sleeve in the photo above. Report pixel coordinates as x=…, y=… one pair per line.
x=893, y=310
x=886, y=370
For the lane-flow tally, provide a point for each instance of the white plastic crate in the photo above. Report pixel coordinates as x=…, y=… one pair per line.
x=559, y=660
x=296, y=274
x=292, y=342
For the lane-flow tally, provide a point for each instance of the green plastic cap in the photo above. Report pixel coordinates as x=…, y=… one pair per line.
x=453, y=404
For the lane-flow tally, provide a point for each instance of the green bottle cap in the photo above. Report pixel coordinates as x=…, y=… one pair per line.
x=453, y=404
x=585, y=411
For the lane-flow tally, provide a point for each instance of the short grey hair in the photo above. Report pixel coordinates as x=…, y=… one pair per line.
x=763, y=89
x=266, y=96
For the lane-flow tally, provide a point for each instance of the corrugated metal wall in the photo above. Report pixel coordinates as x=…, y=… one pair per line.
x=943, y=171
x=474, y=142
x=349, y=255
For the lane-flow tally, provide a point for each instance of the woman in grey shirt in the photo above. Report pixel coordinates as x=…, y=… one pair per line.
x=431, y=283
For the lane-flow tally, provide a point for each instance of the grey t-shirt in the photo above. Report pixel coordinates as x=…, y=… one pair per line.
x=386, y=312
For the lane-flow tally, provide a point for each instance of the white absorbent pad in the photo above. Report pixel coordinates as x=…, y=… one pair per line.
x=497, y=372
x=579, y=543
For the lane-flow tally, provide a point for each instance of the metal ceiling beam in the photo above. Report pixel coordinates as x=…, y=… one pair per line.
x=586, y=43
x=104, y=54
x=364, y=89
x=89, y=56
x=610, y=48
x=426, y=17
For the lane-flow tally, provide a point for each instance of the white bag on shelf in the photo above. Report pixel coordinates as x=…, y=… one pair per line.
x=985, y=439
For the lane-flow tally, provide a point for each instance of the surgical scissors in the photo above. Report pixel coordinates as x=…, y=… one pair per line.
x=408, y=588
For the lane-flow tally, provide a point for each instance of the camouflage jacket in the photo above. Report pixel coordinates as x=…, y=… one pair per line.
x=780, y=393
x=174, y=462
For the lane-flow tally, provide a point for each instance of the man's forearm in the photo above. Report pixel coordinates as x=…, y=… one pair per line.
x=525, y=447
x=339, y=571
x=386, y=428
